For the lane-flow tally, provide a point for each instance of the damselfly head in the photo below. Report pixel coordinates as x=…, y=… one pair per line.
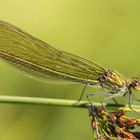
x=135, y=83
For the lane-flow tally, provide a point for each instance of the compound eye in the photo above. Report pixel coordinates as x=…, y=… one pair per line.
x=135, y=83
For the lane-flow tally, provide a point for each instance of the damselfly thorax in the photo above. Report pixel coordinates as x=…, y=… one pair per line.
x=113, y=82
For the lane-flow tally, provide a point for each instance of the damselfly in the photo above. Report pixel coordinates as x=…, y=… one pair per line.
x=39, y=60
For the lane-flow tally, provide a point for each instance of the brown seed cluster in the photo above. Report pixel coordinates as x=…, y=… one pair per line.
x=114, y=126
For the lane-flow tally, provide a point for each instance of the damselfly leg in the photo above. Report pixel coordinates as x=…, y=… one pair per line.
x=82, y=93
x=130, y=104
x=112, y=96
x=98, y=93
x=108, y=98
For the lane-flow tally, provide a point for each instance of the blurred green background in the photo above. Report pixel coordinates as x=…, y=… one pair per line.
x=106, y=32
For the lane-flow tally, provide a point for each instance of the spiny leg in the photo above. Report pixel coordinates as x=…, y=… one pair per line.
x=129, y=102
x=83, y=90
x=115, y=101
x=110, y=97
x=93, y=107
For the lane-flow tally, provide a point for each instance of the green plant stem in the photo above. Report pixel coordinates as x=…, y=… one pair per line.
x=59, y=102
x=45, y=101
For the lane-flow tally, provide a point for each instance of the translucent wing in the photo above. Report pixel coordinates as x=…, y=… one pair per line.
x=41, y=61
